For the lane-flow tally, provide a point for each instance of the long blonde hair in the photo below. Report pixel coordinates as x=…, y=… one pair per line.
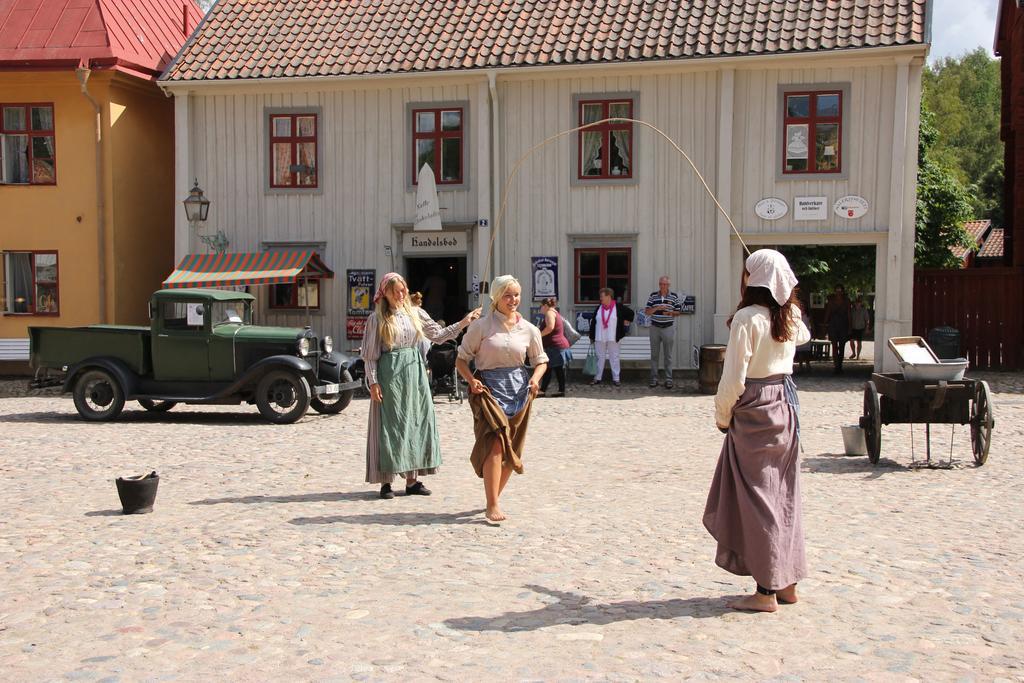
x=387, y=326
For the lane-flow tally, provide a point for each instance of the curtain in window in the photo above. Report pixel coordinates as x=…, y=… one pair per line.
x=19, y=273
x=591, y=153
x=15, y=158
x=621, y=140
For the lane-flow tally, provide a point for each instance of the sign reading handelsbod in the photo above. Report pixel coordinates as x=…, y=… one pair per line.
x=435, y=242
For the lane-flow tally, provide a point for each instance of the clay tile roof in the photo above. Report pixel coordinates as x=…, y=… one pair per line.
x=977, y=230
x=993, y=246
x=262, y=38
x=139, y=37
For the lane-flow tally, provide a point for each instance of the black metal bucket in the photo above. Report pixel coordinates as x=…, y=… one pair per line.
x=137, y=494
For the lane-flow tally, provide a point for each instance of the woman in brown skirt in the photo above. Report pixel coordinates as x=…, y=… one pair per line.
x=502, y=389
x=753, y=509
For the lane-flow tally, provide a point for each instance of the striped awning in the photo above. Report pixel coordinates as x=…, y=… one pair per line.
x=232, y=270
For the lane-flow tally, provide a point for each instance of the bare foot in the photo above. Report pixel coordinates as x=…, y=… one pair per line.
x=495, y=514
x=755, y=603
x=787, y=596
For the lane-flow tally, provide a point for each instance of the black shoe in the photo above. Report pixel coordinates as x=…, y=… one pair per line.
x=560, y=394
x=668, y=384
x=594, y=382
x=417, y=489
x=385, y=492
x=615, y=383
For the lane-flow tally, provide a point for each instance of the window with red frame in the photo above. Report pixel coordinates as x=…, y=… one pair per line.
x=30, y=281
x=27, y=155
x=293, y=161
x=437, y=138
x=598, y=268
x=296, y=295
x=812, y=132
x=605, y=150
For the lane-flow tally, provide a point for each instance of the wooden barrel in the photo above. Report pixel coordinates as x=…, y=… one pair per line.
x=712, y=360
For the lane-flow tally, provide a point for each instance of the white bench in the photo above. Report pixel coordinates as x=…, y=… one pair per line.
x=630, y=349
x=14, y=349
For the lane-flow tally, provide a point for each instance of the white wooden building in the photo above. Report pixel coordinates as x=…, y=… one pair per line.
x=303, y=129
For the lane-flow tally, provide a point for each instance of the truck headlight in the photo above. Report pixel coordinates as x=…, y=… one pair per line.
x=328, y=344
x=304, y=347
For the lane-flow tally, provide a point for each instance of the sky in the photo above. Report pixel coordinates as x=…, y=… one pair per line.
x=962, y=25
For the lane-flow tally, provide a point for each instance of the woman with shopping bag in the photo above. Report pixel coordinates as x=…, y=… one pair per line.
x=556, y=346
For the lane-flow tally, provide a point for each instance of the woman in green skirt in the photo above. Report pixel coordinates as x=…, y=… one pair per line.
x=402, y=435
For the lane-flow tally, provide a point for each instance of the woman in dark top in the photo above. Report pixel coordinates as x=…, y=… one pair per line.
x=556, y=346
x=837, y=317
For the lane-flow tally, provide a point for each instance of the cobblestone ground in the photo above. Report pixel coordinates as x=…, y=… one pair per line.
x=267, y=557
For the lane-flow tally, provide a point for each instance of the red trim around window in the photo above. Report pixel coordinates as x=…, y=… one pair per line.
x=32, y=134
x=438, y=135
x=35, y=284
x=812, y=120
x=293, y=302
x=308, y=179
x=605, y=129
x=620, y=281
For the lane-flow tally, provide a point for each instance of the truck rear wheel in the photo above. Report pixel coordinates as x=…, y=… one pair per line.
x=334, y=404
x=98, y=396
x=282, y=397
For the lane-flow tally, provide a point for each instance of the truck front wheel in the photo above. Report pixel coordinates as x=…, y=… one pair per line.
x=282, y=397
x=98, y=396
x=335, y=404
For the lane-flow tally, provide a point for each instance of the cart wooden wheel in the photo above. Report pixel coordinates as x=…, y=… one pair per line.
x=982, y=422
x=871, y=422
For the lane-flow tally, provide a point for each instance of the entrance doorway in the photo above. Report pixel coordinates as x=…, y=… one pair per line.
x=442, y=281
x=821, y=269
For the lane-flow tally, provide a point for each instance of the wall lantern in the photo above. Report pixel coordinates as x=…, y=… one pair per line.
x=197, y=206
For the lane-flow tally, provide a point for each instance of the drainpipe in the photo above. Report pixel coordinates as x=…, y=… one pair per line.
x=492, y=85
x=83, y=73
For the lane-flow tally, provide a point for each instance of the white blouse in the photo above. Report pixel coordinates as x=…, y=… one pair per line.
x=492, y=345
x=372, y=347
x=753, y=353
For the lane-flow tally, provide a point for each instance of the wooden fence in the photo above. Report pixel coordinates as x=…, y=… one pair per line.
x=985, y=304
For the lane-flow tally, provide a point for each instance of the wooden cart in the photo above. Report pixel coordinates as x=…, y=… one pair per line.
x=891, y=399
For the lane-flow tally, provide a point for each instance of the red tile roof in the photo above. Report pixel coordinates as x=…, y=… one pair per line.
x=977, y=230
x=993, y=246
x=295, y=38
x=137, y=36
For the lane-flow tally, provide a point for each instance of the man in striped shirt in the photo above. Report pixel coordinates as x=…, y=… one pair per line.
x=662, y=308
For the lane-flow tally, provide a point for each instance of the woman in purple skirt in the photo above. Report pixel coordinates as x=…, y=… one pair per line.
x=753, y=508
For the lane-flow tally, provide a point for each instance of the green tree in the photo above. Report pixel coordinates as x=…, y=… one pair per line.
x=943, y=204
x=965, y=95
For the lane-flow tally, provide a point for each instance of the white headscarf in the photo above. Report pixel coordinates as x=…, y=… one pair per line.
x=770, y=269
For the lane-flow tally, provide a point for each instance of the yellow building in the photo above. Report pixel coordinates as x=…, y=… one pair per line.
x=86, y=163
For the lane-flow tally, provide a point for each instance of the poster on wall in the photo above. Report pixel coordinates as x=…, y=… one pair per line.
x=360, y=290
x=355, y=327
x=545, y=277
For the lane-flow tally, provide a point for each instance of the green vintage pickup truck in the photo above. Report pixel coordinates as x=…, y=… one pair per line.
x=201, y=348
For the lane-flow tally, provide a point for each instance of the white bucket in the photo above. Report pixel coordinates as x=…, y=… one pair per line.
x=853, y=440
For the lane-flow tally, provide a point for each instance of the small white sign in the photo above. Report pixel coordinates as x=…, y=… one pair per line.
x=810, y=208
x=771, y=208
x=194, y=315
x=851, y=206
x=442, y=242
